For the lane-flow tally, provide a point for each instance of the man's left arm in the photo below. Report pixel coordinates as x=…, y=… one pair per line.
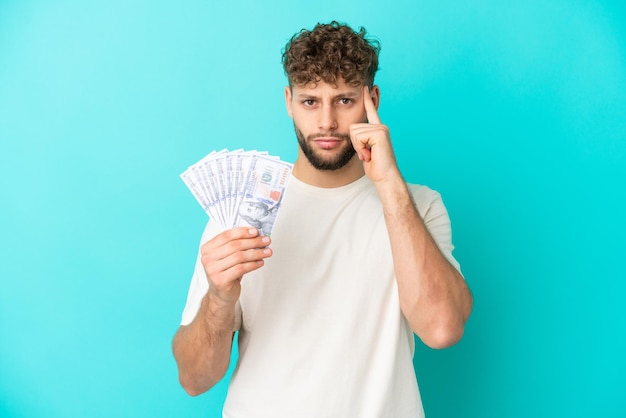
x=434, y=297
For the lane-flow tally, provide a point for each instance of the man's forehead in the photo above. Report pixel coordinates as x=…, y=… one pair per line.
x=340, y=88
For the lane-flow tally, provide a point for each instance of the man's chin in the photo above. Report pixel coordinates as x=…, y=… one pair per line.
x=330, y=163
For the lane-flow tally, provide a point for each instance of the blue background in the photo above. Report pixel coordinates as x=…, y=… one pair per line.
x=514, y=111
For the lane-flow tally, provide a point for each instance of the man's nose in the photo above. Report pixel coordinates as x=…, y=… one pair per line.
x=327, y=119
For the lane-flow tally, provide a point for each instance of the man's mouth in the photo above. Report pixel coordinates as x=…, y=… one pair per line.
x=328, y=142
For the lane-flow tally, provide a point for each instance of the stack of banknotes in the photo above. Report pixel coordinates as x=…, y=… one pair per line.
x=239, y=188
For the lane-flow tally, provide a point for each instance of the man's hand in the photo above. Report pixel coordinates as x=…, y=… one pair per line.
x=230, y=255
x=373, y=144
x=202, y=348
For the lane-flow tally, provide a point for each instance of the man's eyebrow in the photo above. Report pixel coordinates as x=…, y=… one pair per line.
x=306, y=96
x=346, y=94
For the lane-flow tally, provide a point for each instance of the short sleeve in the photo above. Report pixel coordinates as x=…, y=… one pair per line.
x=435, y=215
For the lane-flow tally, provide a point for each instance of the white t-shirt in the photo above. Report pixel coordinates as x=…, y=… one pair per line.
x=321, y=333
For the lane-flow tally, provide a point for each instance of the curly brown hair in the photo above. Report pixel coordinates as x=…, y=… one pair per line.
x=330, y=52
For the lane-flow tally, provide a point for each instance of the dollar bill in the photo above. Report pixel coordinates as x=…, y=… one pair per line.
x=239, y=188
x=264, y=189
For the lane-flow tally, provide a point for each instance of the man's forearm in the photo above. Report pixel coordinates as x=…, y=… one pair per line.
x=202, y=348
x=433, y=295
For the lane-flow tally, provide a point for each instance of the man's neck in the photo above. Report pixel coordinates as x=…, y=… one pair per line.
x=305, y=172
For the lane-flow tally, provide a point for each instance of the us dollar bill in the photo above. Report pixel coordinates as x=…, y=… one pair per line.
x=239, y=188
x=264, y=189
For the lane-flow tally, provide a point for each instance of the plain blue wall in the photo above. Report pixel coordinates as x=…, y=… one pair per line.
x=514, y=111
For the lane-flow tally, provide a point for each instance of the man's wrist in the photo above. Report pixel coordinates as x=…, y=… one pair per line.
x=219, y=314
x=392, y=187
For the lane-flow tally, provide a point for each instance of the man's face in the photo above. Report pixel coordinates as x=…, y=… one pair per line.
x=322, y=115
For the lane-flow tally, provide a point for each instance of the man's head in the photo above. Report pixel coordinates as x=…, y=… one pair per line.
x=330, y=52
x=327, y=69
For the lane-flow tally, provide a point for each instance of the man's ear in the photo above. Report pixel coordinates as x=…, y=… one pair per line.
x=375, y=93
x=288, y=98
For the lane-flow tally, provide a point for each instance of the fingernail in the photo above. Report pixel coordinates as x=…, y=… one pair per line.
x=267, y=251
x=252, y=231
x=265, y=240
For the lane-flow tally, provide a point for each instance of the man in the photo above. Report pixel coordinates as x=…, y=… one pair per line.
x=357, y=262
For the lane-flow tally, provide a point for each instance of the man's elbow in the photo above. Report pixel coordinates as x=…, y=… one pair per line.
x=443, y=337
x=192, y=390
x=191, y=380
x=449, y=328
x=445, y=332
x=194, y=387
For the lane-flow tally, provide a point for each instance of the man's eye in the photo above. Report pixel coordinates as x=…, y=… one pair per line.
x=309, y=102
x=345, y=101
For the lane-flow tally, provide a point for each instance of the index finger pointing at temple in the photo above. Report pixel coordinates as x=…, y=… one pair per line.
x=370, y=108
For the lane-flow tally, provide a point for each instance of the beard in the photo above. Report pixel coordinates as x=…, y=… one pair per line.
x=320, y=162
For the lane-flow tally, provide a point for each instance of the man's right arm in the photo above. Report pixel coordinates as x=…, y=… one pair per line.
x=202, y=348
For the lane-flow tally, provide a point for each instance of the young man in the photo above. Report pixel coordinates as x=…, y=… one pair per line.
x=358, y=262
